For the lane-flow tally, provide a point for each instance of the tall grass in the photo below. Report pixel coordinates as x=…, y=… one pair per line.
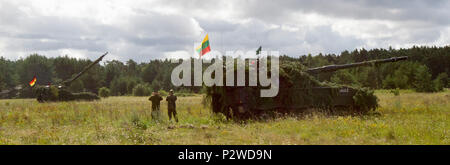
x=409, y=118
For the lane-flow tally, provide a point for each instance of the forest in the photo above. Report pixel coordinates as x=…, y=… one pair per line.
x=426, y=70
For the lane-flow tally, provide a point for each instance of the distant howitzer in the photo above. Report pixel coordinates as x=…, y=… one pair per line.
x=332, y=68
x=67, y=82
x=60, y=93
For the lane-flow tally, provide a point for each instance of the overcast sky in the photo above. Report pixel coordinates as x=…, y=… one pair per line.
x=144, y=30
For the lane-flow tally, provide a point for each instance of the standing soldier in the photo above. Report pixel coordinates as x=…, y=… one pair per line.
x=155, y=99
x=171, y=106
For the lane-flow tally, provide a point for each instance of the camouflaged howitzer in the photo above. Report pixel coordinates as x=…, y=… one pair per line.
x=298, y=90
x=58, y=92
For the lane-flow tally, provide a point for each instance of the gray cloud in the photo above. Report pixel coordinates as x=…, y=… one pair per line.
x=331, y=41
x=435, y=12
x=151, y=30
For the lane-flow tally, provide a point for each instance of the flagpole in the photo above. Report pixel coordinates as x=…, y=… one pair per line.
x=201, y=49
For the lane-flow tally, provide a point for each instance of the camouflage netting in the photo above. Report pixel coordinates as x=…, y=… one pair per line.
x=298, y=91
x=365, y=100
x=55, y=94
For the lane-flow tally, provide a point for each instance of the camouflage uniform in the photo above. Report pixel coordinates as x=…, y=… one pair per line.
x=171, y=107
x=155, y=99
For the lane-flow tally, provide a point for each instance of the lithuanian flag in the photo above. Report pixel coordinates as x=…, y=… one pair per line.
x=32, y=82
x=204, y=47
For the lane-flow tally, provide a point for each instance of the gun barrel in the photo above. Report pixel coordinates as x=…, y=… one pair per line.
x=67, y=82
x=332, y=68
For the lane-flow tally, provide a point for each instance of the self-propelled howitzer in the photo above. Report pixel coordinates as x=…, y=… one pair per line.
x=298, y=90
x=58, y=92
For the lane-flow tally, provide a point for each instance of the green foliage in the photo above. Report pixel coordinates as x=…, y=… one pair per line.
x=156, y=85
x=119, y=86
x=2, y=85
x=8, y=78
x=395, y=91
x=162, y=92
x=344, y=77
x=372, y=78
x=398, y=80
x=87, y=96
x=123, y=85
x=65, y=67
x=204, y=90
x=113, y=70
x=132, y=82
x=141, y=90
x=441, y=81
x=76, y=86
x=365, y=99
x=424, y=83
x=132, y=68
x=93, y=79
x=104, y=92
x=149, y=73
x=34, y=65
x=137, y=122
x=184, y=94
x=402, y=75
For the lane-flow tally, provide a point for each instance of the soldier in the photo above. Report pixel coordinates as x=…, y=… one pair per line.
x=171, y=106
x=155, y=99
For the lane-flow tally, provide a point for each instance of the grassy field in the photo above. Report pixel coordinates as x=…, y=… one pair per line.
x=410, y=118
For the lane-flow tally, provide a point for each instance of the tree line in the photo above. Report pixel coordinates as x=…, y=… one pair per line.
x=426, y=70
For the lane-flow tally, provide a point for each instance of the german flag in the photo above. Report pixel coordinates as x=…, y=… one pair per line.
x=32, y=82
x=204, y=48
